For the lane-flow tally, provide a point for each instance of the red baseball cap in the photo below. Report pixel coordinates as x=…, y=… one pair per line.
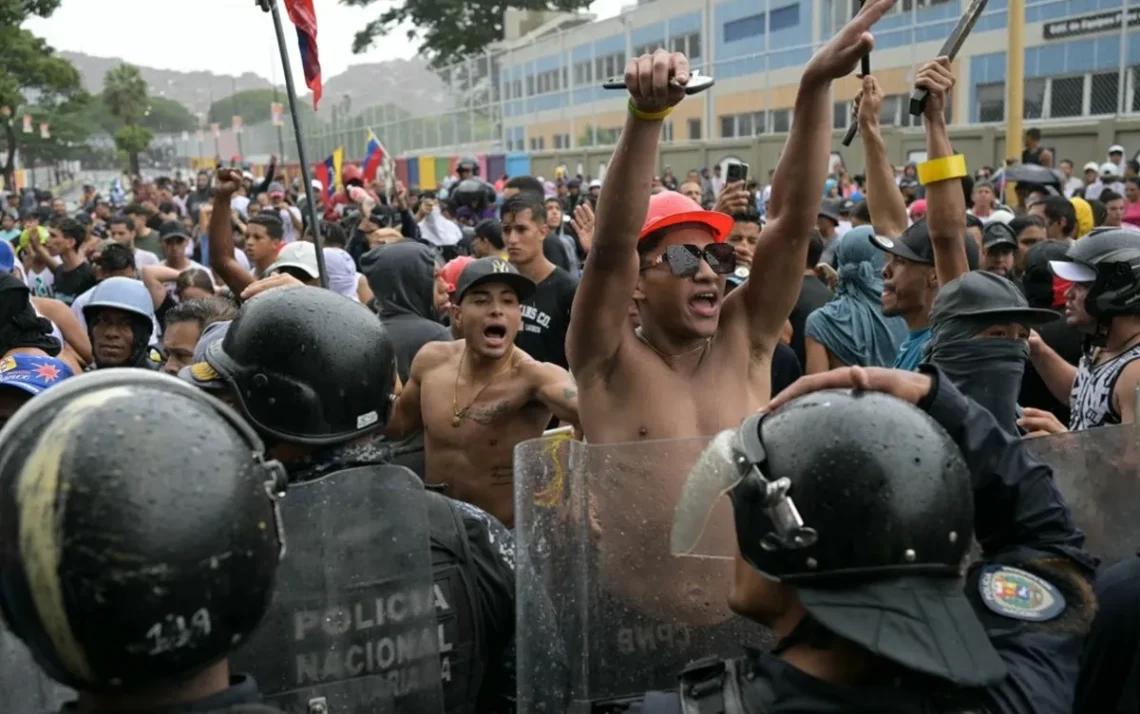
x=669, y=208
x=450, y=272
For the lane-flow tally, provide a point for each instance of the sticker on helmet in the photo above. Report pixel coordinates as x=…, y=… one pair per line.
x=742, y=272
x=367, y=419
x=1017, y=594
x=203, y=372
x=8, y=364
x=885, y=242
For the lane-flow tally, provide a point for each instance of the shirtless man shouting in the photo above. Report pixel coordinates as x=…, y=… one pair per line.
x=701, y=360
x=479, y=396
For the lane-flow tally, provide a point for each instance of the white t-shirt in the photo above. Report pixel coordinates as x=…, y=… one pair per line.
x=143, y=258
x=290, y=230
x=241, y=203
x=77, y=310
x=42, y=284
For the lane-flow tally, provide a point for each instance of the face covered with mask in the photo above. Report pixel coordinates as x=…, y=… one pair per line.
x=979, y=338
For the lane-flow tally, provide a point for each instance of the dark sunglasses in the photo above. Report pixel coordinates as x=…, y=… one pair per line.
x=685, y=260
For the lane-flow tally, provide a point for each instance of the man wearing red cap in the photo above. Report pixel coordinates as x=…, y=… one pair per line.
x=701, y=360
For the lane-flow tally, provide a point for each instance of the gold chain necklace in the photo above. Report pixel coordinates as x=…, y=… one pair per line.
x=457, y=414
x=666, y=355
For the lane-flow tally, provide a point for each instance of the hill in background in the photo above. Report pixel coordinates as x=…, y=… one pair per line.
x=406, y=83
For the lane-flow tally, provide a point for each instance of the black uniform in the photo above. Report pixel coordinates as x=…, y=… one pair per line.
x=473, y=562
x=335, y=398
x=1027, y=535
x=241, y=698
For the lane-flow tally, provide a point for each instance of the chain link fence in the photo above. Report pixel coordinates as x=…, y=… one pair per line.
x=1082, y=64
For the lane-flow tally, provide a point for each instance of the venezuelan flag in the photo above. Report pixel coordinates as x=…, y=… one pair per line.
x=374, y=157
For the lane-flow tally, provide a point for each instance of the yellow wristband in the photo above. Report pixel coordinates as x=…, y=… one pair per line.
x=944, y=169
x=648, y=116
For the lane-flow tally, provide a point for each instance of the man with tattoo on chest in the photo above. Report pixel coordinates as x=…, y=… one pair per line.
x=479, y=396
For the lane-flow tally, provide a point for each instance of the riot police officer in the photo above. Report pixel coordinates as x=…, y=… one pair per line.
x=314, y=374
x=857, y=569
x=134, y=569
x=120, y=321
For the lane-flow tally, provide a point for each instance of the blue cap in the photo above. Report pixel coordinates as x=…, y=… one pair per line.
x=32, y=373
x=7, y=257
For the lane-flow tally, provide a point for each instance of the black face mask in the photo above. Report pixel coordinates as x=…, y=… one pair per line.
x=988, y=370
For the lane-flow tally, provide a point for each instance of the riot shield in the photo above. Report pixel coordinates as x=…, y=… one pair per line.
x=1098, y=472
x=593, y=544
x=352, y=628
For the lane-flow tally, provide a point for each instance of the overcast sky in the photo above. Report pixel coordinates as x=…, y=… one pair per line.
x=222, y=36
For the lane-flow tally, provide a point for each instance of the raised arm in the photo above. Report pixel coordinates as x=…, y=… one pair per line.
x=884, y=200
x=554, y=387
x=945, y=201
x=154, y=277
x=773, y=286
x=74, y=334
x=600, y=312
x=407, y=414
x=221, y=233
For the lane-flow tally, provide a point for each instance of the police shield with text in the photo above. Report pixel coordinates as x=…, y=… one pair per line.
x=592, y=524
x=132, y=572
x=392, y=598
x=851, y=548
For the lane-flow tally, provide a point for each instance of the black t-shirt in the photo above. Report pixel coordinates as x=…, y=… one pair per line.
x=813, y=295
x=1066, y=342
x=785, y=368
x=554, y=252
x=70, y=284
x=1031, y=156
x=546, y=317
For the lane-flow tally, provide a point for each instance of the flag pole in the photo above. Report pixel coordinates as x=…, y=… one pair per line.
x=387, y=171
x=270, y=6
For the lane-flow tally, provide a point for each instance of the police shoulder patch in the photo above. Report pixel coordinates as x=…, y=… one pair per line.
x=1019, y=595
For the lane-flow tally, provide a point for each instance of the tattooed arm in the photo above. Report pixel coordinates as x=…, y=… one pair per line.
x=554, y=387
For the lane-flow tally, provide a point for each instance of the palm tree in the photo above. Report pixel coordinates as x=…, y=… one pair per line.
x=125, y=94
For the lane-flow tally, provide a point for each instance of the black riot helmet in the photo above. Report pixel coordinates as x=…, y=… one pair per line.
x=864, y=504
x=140, y=525
x=308, y=366
x=475, y=194
x=1110, y=260
x=467, y=163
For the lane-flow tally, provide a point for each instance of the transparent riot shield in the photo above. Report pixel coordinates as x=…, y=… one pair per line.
x=1098, y=471
x=352, y=628
x=593, y=545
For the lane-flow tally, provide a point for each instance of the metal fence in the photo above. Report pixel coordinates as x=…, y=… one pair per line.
x=1082, y=62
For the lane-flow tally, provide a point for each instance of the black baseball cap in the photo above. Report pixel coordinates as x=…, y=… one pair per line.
x=914, y=245
x=998, y=233
x=983, y=294
x=830, y=210
x=172, y=229
x=492, y=270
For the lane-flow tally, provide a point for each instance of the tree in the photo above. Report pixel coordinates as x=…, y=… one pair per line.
x=133, y=139
x=30, y=73
x=253, y=106
x=449, y=31
x=125, y=94
x=168, y=116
